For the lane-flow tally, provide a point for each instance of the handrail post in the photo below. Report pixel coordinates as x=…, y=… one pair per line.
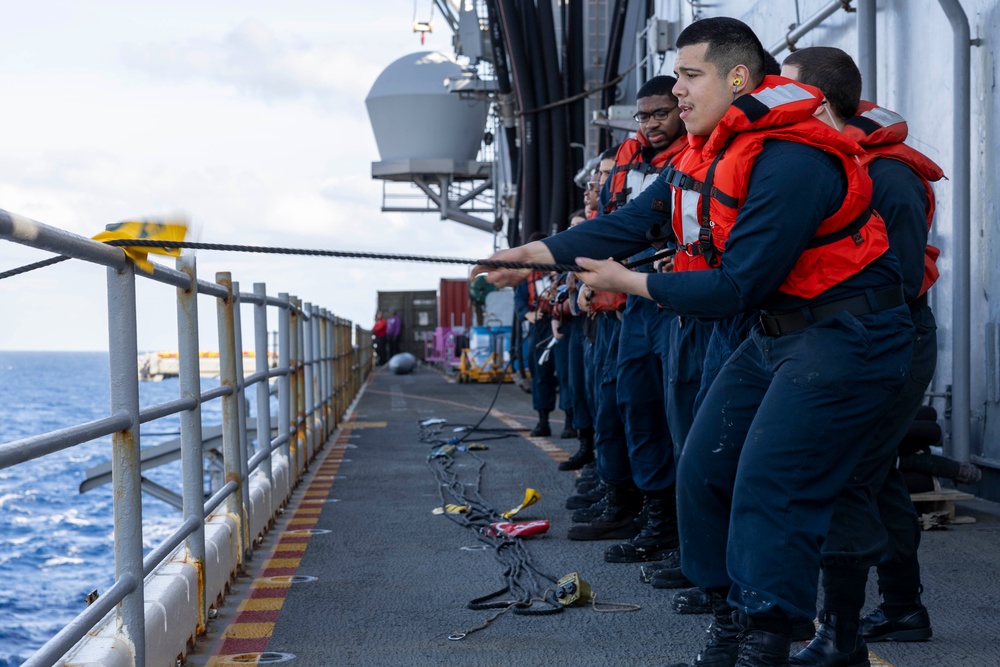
x=241, y=412
x=192, y=464
x=324, y=413
x=125, y=472
x=285, y=383
x=308, y=377
x=262, y=390
x=317, y=402
x=300, y=385
x=230, y=413
x=331, y=417
x=293, y=387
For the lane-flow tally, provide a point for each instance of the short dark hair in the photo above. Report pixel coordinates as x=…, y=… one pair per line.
x=771, y=64
x=658, y=85
x=610, y=153
x=730, y=43
x=832, y=71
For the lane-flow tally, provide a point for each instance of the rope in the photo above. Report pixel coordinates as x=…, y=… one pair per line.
x=495, y=264
x=31, y=267
x=272, y=250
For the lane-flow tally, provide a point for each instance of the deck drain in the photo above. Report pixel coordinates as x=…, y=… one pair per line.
x=307, y=531
x=291, y=579
x=265, y=658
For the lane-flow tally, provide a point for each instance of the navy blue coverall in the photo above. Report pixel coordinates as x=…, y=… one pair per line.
x=543, y=376
x=874, y=515
x=788, y=418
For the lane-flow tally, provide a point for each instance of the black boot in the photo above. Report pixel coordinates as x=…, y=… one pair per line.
x=837, y=644
x=587, y=498
x=568, y=430
x=900, y=618
x=588, y=514
x=670, y=577
x=722, y=643
x=657, y=539
x=584, y=455
x=647, y=571
x=759, y=647
x=691, y=601
x=618, y=519
x=542, y=429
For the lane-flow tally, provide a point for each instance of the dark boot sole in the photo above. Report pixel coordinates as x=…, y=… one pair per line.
x=659, y=582
x=638, y=557
x=918, y=635
x=625, y=532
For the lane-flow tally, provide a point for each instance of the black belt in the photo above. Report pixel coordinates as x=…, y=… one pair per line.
x=918, y=303
x=861, y=304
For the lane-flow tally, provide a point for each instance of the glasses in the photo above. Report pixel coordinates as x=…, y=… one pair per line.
x=657, y=114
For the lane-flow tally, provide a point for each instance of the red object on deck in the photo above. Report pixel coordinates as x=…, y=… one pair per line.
x=519, y=528
x=453, y=303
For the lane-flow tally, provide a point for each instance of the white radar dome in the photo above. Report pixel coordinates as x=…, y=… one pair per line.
x=414, y=117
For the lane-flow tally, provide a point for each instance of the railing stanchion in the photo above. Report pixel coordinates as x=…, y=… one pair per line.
x=285, y=384
x=230, y=413
x=125, y=472
x=192, y=463
x=263, y=393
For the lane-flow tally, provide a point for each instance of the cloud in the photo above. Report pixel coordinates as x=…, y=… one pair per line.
x=261, y=63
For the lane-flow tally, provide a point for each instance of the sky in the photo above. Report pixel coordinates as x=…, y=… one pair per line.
x=246, y=117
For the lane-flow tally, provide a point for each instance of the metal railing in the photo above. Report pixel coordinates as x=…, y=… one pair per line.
x=320, y=369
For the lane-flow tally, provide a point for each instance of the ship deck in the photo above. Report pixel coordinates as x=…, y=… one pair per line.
x=359, y=571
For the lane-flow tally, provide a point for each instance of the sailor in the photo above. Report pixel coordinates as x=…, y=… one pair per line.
x=784, y=220
x=645, y=333
x=533, y=312
x=609, y=510
x=874, y=510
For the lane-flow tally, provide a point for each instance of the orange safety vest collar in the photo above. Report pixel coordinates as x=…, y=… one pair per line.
x=881, y=133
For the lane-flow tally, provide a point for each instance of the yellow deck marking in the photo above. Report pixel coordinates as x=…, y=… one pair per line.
x=249, y=630
x=282, y=562
x=365, y=424
x=261, y=604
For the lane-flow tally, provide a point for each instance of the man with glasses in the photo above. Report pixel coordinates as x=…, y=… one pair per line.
x=641, y=473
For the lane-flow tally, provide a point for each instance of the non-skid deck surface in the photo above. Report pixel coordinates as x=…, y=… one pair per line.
x=391, y=580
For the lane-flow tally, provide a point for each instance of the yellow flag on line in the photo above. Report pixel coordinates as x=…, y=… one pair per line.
x=530, y=498
x=146, y=230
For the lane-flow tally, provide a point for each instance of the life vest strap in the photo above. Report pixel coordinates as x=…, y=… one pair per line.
x=683, y=181
x=853, y=230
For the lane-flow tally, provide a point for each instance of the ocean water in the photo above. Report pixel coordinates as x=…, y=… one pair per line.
x=56, y=544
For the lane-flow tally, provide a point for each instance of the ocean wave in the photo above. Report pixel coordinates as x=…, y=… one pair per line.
x=62, y=560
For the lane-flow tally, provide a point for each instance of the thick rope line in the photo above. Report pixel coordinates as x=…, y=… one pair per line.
x=342, y=253
x=195, y=245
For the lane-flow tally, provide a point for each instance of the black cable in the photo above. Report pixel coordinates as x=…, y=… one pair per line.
x=272, y=250
x=31, y=267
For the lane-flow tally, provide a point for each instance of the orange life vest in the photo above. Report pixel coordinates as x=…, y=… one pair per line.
x=538, y=282
x=631, y=174
x=881, y=133
x=720, y=167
